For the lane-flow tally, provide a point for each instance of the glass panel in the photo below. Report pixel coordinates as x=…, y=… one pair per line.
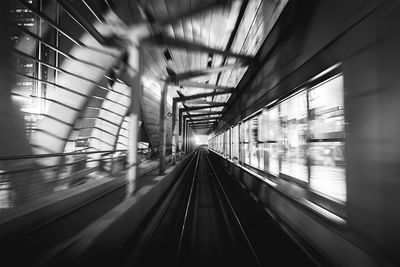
x=246, y=157
x=253, y=123
x=262, y=129
x=241, y=134
x=246, y=131
x=271, y=154
x=235, y=141
x=327, y=110
x=246, y=153
x=294, y=128
x=328, y=169
x=225, y=142
x=327, y=138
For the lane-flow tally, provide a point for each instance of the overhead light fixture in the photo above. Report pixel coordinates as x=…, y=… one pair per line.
x=167, y=55
x=209, y=61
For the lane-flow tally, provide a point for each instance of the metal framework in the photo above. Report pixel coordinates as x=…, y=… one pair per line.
x=201, y=85
x=176, y=77
x=160, y=39
x=191, y=97
x=205, y=114
x=201, y=120
x=202, y=107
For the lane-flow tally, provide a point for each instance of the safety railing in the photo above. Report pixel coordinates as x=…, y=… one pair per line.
x=25, y=178
x=28, y=177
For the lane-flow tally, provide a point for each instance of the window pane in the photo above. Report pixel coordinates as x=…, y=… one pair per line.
x=246, y=157
x=246, y=131
x=328, y=169
x=271, y=155
x=326, y=110
x=294, y=128
x=242, y=152
x=235, y=142
x=253, y=123
x=246, y=153
x=327, y=138
x=261, y=139
x=226, y=143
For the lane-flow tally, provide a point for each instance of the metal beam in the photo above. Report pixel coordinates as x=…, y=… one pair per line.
x=189, y=116
x=203, y=102
x=202, y=121
x=202, y=127
x=234, y=32
x=205, y=114
x=200, y=85
x=160, y=39
x=202, y=107
x=192, y=12
x=205, y=119
x=191, y=97
x=82, y=21
x=199, y=102
x=163, y=128
x=197, y=73
x=199, y=123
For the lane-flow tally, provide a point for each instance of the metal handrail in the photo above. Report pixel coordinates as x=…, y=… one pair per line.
x=48, y=155
x=20, y=157
x=55, y=166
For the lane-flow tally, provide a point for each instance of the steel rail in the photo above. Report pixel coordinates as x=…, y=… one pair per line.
x=154, y=223
x=185, y=218
x=239, y=223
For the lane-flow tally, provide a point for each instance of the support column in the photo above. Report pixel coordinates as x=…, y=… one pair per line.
x=186, y=136
x=183, y=134
x=134, y=125
x=174, y=134
x=163, y=130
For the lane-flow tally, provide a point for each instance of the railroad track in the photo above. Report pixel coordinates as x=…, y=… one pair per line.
x=196, y=225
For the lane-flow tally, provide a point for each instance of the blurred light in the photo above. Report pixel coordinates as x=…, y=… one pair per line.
x=201, y=139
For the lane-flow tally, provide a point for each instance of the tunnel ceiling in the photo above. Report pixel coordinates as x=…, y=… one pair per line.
x=202, y=46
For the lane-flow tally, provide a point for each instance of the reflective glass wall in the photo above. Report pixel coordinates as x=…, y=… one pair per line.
x=300, y=138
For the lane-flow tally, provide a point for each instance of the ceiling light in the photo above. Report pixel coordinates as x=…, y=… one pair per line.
x=167, y=55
